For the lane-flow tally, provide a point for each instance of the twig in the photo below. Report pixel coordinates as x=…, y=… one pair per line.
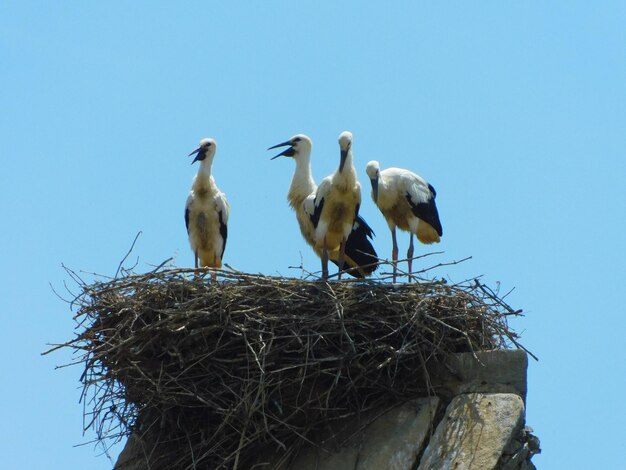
x=127, y=254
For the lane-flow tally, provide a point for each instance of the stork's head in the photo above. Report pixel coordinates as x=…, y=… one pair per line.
x=373, y=171
x=205, y=150
x=299, y=144
x=345, y=144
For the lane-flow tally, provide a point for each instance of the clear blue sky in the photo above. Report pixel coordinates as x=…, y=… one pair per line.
x=514, y=111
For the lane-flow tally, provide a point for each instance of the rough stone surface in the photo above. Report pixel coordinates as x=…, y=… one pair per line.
x=391, y=441
x=474, y=432
x=498, y=371
x=395, y=439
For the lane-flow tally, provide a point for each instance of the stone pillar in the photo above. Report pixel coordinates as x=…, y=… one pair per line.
x=476, y=421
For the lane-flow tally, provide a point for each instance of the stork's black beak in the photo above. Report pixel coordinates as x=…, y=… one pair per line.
x=344, y=154
x=290, y=152
x=199, y=155
x=374, y=182
x=283, y=144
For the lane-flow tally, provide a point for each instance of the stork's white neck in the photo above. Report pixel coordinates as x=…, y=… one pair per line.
x=203, y=182
x=386, y=196
x=302, y=183
x=205, y=167
x=382, y=181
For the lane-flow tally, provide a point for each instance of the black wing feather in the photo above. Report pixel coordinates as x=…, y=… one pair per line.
x=223, y=233
x=359, y=222
x=360, y=250
x=427, y=211
x=187, y=219
x=317, y=212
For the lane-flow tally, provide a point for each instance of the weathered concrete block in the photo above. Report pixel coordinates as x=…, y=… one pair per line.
x=474, y=432
x=498, y=371
x=391, y=441
x=394, y=440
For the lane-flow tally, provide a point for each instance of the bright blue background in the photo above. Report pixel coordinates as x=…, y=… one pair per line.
x=514, y=111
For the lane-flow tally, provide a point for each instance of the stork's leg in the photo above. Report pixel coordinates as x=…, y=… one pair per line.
x=342, y=256
x=394, y=253
x=409, y=255
x=195, y=264
x=325, y=261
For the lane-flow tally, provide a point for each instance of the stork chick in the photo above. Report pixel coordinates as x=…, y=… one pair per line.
x=406, y=201
x=336, y=206
x=360, y=255
x=206, y=211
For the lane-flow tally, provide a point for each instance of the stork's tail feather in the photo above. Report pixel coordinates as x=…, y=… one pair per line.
x=360, y=252
x=428, y=234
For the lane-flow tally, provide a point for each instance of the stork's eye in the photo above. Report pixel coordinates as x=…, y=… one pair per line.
x=297, y=139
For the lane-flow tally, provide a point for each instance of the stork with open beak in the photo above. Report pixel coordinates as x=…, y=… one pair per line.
x=206, y=211
x=359, y=255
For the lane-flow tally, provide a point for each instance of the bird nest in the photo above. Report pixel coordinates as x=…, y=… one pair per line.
x=211, y=371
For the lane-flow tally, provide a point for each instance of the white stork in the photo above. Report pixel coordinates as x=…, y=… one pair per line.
x=407, y=201
x=336, y=206
x=206, y=211
x=360, y=255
